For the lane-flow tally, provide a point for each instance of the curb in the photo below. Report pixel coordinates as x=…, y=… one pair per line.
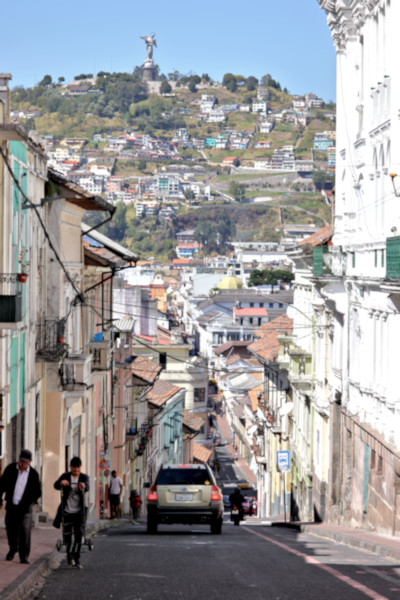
x=30, y=580
x=356, y=542
x=375, y=547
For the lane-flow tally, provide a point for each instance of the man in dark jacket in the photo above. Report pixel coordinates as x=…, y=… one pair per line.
x=73, y=485
x=20, y=482
x=236, y=499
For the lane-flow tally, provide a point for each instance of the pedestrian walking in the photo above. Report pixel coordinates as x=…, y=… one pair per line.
x=71, y=512
x=114, y=494
x=21, y=485
x=136, y=502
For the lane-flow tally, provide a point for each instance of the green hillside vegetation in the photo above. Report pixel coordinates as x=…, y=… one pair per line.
x=248, y=222
x=121, y=101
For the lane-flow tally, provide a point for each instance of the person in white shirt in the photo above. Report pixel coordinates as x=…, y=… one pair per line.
x=20, y=482
x=114, y=494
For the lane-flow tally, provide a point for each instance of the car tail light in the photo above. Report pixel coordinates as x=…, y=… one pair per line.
x=153, y=496
x=215, y=493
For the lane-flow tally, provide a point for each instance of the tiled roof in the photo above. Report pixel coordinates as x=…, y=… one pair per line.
x=229, y=345
x=322, y=236
x=149, y=338
x=250, y=312
x=145, y=369
x=161, y=392
x=191, y=421
x=210, y=316
x=253, y=395
x=248, y=359
x=267, y=346
x=201, y=453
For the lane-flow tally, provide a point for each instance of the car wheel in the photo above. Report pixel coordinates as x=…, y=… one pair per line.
x=152, y=525
x=216, y=527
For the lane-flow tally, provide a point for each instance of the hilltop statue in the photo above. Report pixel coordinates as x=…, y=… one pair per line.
x=150, y=42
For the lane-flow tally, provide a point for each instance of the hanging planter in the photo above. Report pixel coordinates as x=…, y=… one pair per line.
x=60, y=339
x=22, y=277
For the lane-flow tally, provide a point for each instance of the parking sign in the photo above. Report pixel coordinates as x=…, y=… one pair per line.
x=283, y=460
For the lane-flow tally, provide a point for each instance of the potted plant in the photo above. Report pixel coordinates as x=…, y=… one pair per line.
x=22, y=276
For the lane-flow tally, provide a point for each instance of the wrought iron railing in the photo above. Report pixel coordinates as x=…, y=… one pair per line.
x=50, y=340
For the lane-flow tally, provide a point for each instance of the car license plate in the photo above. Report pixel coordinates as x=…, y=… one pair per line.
x=183, y=497
x=235, y=511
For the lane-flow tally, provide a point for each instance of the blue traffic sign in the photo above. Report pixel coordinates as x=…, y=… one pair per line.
x=283, y=460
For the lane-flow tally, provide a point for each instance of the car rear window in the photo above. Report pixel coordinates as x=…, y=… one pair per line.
x=184, y=477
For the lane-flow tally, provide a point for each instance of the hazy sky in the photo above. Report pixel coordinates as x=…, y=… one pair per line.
x=287, y=38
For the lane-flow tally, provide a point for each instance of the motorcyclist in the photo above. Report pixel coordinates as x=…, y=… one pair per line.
x=236, y=499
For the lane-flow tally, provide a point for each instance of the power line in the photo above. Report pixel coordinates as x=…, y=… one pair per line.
x=35, y=208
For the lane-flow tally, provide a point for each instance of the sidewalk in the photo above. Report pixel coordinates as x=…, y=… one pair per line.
x=17, y=580
x=376, y=543
x=383, y=545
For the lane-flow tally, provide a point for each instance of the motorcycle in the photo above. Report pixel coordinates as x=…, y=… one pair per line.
x=235, y=515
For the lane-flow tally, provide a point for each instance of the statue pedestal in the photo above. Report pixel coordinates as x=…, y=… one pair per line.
x=149, y=71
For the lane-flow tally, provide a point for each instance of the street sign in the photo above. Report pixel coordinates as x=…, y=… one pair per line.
x=283, y=460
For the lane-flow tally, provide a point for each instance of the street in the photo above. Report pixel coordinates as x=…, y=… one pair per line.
x=247, y=561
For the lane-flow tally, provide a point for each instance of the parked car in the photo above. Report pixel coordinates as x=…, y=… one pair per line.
x=249, y=505
x=185, y=494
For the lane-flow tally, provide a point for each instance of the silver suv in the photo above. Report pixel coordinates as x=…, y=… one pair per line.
x=185, y=494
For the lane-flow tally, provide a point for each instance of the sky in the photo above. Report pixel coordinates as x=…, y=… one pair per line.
x=287, y=38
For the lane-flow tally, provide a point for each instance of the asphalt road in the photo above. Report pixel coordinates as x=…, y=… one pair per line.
x=254, y=562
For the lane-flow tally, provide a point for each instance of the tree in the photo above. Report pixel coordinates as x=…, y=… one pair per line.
x=189, y=195
x=174, y=75
x=229, y=81
x=46, y=81
x=321, y=179
x=237, y=190
x=165, y=88
x=117, y=227
x=142, y=165
x=226, y=228
x=192, y=86
x=61, y=80
x=267, y=277
x=205, y=232
x=251, y=83
x=205, y=77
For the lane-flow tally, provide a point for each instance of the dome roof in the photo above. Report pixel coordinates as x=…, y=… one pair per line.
x=230, y=282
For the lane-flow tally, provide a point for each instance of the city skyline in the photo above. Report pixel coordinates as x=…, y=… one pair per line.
x=297, y=50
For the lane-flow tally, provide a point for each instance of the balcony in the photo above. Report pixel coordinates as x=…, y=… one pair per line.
x=75, y=372
x=276, y=421
x=50, y=340
x=101, y=348
x=10, y=301
x=132, y=429
x=300, y=373
x=329, y=261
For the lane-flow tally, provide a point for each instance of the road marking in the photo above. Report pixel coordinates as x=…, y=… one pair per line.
x=313, y=561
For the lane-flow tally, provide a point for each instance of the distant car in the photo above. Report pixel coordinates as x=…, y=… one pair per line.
x=243, y=485
x=185, y=494
x=249, y=505
x=227, y=502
